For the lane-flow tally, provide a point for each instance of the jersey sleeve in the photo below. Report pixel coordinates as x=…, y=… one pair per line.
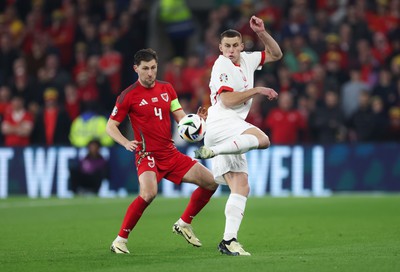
x=255, y=59
x=222, y=78
x=175, y=105
x=121, y=108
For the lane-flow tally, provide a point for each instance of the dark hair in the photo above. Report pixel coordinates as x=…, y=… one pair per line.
x=230, y=33
x=147, y=55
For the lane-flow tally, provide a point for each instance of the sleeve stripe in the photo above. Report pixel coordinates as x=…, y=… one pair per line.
x=263, y=56
x=224, y=88
x=175, y=105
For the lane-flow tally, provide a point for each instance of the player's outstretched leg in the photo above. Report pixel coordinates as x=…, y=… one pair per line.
x=232, y=248
x=237, y=145
x=186, y=231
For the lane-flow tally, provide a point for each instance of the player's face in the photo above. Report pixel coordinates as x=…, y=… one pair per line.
x=231, y=48
x=147, y=72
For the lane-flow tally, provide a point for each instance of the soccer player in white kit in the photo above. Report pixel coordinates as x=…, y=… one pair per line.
x=228, y=134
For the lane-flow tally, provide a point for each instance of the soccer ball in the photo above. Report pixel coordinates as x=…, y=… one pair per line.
x=192, y=128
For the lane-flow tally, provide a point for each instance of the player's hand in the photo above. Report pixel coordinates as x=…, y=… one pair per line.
x=132, y=145
x=257, y=24
x=202, y=112
x=268, y=92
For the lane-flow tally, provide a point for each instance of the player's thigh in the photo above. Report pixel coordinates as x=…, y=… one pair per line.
x=201, y=176
x=263, y=139
x=238, y=182
x=218, y=132
x=148, y=185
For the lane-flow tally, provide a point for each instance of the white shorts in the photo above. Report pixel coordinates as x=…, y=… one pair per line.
x=218, y=132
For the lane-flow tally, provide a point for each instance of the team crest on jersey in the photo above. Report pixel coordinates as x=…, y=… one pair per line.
x=115, y=111
x=223, y=77
x=165, y=97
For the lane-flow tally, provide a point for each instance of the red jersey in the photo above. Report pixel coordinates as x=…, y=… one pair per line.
x=16, y=120
x=285, y=126
x=149, y=113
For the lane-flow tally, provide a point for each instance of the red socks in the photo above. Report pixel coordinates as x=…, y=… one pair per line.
x=132, y=216
x=198, y=200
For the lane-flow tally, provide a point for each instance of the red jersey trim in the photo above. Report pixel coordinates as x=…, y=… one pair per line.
x=224, y=88
x=263, y=56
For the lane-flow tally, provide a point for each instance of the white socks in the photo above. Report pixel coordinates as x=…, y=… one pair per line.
x=234, y=211
x=238, y=145
x=121, y=239
x=182, y=223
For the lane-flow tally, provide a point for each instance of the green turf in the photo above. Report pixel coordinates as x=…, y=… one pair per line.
x=341, y=233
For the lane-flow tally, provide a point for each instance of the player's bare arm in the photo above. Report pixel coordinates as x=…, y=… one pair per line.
x=272, y=50
x=178, y=115
x=115, y=133
x=232, y=99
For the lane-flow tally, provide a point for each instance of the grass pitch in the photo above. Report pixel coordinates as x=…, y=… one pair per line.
x=340, y=233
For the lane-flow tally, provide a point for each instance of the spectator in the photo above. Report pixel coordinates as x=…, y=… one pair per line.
x=360, y=123
x=385, y=88
x=23, y=84
x=286, y=124
x=379, y=120
x=5, y=97
x=87, y=176
x=327, y=121
x=17, y=124
x=178, y=22
x=394, y=124
x=88, y=126
x=174, y=75
x=297, y=46
x=8, y=54
x=72, y=101
x=351, y=91
x=52, y=124
x=62, y=35
x=110, y=63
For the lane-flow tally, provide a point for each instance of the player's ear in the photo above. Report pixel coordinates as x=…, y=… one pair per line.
x=220, y=47
x=135, y=67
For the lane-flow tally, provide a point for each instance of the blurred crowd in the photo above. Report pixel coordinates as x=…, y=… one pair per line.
x=63, y=62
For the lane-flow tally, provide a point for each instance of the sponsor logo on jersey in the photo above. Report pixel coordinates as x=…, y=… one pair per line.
x=143, y=102
x=154, y=99
x=223, y=77
x=114, y=111
x=165, y=97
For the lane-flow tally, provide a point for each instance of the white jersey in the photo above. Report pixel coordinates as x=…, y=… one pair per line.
x=226, y=76
x=225, y=123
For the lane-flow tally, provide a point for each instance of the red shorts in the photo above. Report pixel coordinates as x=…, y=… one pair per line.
x=173, y=167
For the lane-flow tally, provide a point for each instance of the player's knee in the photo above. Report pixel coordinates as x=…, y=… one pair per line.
x=148, y=196
x=212, y=186
x=264, y=142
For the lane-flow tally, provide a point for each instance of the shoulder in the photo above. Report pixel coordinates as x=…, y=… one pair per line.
x=246, y=55
x=164, y=84
x=222, y=60
x=127, y=92
x=222, y=63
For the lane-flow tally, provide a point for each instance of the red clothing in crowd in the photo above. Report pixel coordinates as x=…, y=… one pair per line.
x=50, y=119
x=110, y=63
x=16, y=120
x=285, y=126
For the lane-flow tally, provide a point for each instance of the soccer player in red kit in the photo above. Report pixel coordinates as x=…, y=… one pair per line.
x=148, y=104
